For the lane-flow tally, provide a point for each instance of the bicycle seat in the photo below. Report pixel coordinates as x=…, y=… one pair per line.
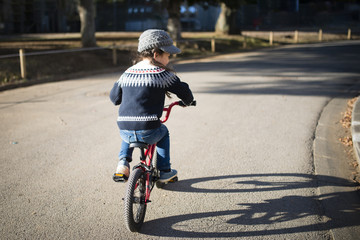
x=139, y=145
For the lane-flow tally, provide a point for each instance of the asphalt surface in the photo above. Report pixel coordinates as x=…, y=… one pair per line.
x=254, y=156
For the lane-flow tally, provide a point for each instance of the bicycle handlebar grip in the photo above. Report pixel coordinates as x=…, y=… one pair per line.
x=193, y=103
x=182, y=104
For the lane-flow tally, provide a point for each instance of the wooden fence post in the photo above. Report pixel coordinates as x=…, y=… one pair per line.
x=213, y=49
x=271, y=38
x=22, y=63
x=349, y=34
x=296, y=36
x=320, y=35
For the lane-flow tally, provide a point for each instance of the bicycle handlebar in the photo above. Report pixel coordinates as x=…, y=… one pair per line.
x=180, y=103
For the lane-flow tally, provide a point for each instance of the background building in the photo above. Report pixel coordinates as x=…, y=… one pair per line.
x=48, y=16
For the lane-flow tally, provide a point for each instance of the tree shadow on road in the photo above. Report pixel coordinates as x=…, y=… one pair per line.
x=254, y=219
x=312, y=70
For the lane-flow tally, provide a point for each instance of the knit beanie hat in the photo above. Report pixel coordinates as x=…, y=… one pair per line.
x=155, y=38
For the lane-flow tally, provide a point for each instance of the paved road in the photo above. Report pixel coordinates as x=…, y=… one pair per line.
x=244, y=154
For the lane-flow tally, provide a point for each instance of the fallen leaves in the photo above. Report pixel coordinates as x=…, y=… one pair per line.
x=347, y=141
x=346, y=122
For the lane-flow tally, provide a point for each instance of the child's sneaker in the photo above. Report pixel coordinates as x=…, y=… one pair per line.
x=167, y=176
x=122, y=171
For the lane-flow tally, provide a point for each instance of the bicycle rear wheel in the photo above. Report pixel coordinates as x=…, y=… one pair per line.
x=134, y=201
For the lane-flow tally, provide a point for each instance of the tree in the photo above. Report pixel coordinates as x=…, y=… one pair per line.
x=7, y=16
x=174, y=24
x=222, y=24
x=226, y=23
x=86, y=10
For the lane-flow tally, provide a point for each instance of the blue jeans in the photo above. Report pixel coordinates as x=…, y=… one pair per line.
x=159, y=135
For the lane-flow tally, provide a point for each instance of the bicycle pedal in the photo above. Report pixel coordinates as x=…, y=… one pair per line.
x=175, y=179
x=119, y=177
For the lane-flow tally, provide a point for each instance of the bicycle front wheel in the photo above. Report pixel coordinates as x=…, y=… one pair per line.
x=134, y=201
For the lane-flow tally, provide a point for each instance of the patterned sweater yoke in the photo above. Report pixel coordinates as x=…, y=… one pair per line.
x=145, y=75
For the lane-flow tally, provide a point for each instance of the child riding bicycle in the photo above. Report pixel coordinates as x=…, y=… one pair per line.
x=141, y=92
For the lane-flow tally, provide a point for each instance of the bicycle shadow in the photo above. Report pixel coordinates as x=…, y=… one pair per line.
x=257, y=183
x=345, y=208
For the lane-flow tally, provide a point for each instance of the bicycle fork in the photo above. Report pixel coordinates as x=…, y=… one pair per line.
x=148, y=171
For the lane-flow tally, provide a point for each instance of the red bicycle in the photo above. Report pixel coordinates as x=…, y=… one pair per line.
x=142, y=180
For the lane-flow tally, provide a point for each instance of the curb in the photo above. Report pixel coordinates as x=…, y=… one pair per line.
x=355, y=129
x=331, y=161
x=336, y=191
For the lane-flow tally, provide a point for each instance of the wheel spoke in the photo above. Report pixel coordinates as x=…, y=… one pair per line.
x=135, y=206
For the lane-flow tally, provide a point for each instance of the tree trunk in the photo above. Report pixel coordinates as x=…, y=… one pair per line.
x=8, y=16
x=234, y=27
x=87, y=18
x=227, y=21
x=174, y=25
x=222, y=25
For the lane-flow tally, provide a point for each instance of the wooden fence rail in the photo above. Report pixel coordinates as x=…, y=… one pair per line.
x=114, y=48
x=296, y=36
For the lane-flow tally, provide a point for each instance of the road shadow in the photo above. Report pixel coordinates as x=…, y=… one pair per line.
x=345, y=211
x=310, y=70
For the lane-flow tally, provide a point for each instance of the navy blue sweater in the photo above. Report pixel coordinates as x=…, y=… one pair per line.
x=140, y=91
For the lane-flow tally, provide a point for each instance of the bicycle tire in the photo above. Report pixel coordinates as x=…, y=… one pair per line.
x=134, y=201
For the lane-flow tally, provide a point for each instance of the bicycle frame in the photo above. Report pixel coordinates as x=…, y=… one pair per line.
x=168, y=110
x=149, y=153
x=147, y=156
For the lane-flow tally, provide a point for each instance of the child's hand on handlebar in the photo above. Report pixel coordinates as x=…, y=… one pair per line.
x=182, y=104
